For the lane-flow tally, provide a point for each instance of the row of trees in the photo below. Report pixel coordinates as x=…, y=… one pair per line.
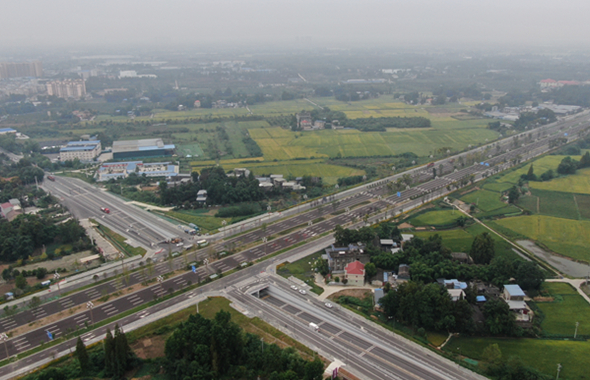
x=218, y=349
x=380, y=124
x=20, y=237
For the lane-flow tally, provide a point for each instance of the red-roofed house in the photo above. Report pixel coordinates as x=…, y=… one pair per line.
x=545, y=83
x=568, y=83
x=355, y=273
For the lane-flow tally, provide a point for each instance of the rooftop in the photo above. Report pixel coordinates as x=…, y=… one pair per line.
x=514, y=290
x=356, y=267
x=73, y=146
x=139, y=145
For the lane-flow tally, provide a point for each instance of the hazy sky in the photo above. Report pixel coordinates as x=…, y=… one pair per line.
x=342, y=23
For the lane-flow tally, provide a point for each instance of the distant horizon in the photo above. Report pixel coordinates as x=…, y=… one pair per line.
x=287, y=24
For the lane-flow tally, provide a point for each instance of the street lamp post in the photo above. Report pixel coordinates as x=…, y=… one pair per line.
x=576, y=332
x=558, y=370
x=90, y=306
x=265, y=240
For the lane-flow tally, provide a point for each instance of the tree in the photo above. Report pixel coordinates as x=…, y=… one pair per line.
x=499, y=319
x=513, y=195
x=370, y=271
x=584, y=161
x=482, y=249
x=82, y=356
x=109, y=353
x=529, y=276
x=20, y=282
x=548, y=175
x=314, y=370
x=567, y=166
x=35, y=302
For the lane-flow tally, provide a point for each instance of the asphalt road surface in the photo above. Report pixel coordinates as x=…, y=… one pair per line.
x=410, y=198
x=367, y=350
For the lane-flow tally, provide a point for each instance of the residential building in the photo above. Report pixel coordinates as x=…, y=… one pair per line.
x=202, y=196
x=115, y=170
x=20, y=69
x=339, y=257
x=377, y=295
x=128, y=74
x=303, y=120
x=461, y=257
x=68, y=88
x=11, y=209
x=456, y=294
x=548, y=83
x=354, y=273
x=82, y=150
x=514, y=297
x=141, y=148
x=5, y=131
x=403, y=272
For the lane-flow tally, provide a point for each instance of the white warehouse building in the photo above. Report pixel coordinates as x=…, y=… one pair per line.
x=82, y=150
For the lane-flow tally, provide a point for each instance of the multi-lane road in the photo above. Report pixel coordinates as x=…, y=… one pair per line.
x=85, y=201
x=365, y=349
x=377, y=200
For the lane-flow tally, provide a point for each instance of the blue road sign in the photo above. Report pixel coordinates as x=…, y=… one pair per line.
x=399, y=194
x=49, y=335
x=565, y=134
x=194, y=269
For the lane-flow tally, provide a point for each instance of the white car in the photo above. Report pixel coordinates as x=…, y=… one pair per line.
x=328, y=305
x=293, y=287
x=302, y=291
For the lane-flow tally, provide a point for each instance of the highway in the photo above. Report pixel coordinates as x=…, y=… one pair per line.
x=85, y=201
x=366, y=349
x=377, y=200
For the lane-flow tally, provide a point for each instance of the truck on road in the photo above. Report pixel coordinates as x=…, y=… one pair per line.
x=105, y=210
x=313, y=326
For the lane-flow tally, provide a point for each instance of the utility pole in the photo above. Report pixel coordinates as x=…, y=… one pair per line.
x=558, y=370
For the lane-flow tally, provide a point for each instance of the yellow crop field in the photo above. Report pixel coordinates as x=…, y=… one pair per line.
x=282, y=144
x=564, y=236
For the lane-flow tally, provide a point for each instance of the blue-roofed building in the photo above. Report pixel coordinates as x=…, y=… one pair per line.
x=513, y=293
x=114, y=170
x=82, y=150
x=141, y=148
x=5, y=131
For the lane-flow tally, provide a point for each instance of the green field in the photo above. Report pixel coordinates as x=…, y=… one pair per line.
x=575, y=183
x=562, y=314
x=460, y=240
x=457, y=240
x=282, y=144
x=540, y=166
x=294, y=168
x=301, y=269
x=497, y=187
x=436, y=218
x=484, y=200
x=537, y=353
x=194, y=150
x=565, y=236
x=202, y=218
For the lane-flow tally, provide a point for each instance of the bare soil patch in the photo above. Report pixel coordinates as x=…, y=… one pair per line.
x=357, y=293
x=150, y=347
x=405, y=225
